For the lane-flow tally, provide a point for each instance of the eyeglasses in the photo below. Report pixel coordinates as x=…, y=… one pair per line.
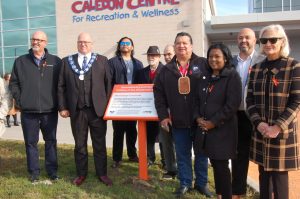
x=37, y=40
x=83, y=42
x=272, y=40
x=125, y=43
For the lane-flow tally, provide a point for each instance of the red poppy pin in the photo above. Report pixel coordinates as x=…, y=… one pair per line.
x=210, y=88
x=249, y=71
x=45, y=64
x=275, y=81
x=190, y=72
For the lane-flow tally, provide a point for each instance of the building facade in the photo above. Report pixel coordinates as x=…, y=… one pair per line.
x=261, y=6
x=18, y=20
x=147, y=22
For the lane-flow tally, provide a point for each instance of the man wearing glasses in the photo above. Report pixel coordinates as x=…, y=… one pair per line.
x=123, y=69
x=33, y=85
x=84, y=87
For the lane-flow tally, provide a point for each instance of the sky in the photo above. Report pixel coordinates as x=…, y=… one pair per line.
x=231, y=7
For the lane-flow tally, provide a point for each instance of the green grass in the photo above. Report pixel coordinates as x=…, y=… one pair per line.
x=14, y=181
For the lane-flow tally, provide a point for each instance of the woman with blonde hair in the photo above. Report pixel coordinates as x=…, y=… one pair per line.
x=273, y=101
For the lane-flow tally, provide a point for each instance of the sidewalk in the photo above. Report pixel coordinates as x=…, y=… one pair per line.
x=64, y=136
x=294, y=181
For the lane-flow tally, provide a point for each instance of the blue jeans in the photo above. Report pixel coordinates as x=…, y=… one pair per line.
x=183, y=139
x=32, y=123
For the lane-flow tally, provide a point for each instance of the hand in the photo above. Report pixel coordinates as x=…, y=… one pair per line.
x=64, y=113
x=262, y=127
x=205, y=124
x=272, y=131
x=165, y=124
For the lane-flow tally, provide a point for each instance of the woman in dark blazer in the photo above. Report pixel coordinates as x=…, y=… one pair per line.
x=273, y=101
x=218, y=97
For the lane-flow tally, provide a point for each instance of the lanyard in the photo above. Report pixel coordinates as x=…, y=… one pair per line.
x=183, y=70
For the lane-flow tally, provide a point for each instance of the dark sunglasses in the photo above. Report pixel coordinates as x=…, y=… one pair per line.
x=272, y=40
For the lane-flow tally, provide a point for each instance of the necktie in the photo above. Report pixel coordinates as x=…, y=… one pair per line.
x=84, y=63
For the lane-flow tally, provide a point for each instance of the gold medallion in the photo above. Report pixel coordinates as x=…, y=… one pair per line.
x=184, y=86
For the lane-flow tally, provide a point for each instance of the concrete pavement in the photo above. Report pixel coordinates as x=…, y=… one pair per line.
x=64, y=133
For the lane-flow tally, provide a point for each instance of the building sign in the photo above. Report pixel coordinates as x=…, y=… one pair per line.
x=108, y=10
x=131, y=102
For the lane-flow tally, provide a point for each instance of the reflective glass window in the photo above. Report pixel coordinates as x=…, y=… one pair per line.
x=50, y=32
x=257, y=5
x=15, y=24
x=41, y=7
x=52, y=49
x=15, y=38
x=295, y=4
x=272, y=5
x=9, y=62
x=13, y=9
x=42, y=22
x=15, y=51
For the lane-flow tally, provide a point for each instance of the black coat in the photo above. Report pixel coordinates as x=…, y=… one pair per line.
x=167, y=97
x=68, y=85
x=142, y=76
x=119, y=72
x=218, y=100
x=34, y=87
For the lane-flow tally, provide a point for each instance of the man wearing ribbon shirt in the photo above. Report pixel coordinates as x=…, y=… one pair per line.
x=246, y=58
x=33, y=85
x=84, y=88
x=174, y=90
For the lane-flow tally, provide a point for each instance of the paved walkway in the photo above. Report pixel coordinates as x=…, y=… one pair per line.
x=64, y=136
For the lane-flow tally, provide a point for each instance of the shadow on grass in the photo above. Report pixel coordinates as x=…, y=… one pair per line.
x=14, y=181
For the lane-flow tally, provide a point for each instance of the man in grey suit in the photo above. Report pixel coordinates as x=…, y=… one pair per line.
x=246, y=58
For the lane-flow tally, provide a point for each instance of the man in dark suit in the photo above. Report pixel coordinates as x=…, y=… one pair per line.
x=84, y=88
x=146, y=76
x=243, y=61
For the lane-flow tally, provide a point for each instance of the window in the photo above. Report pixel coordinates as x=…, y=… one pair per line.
x=14, y=24
x=15, y=38
x=13, y=9
x=42, y=21
x=41, y=7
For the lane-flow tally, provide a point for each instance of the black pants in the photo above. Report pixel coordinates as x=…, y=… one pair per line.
x=240, y=165
x=152, y=132
x=81, y=122
x=32, y=123
x=280, y=181
x=120, y=127
x=222, y=178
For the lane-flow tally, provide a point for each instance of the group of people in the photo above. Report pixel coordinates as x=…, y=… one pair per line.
x=223, y=107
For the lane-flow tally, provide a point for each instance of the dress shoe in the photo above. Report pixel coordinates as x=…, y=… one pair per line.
x=169, y=175
x=150, y=163
x=16, y=123
x=54, y=177
x=181, y=191
x=133, y=159
x=106, y=180
x=204, y=191
x=79, y=180
x=34, y=178
x=116, y=164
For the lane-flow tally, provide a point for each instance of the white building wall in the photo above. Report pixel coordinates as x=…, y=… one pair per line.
x=145, y=31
